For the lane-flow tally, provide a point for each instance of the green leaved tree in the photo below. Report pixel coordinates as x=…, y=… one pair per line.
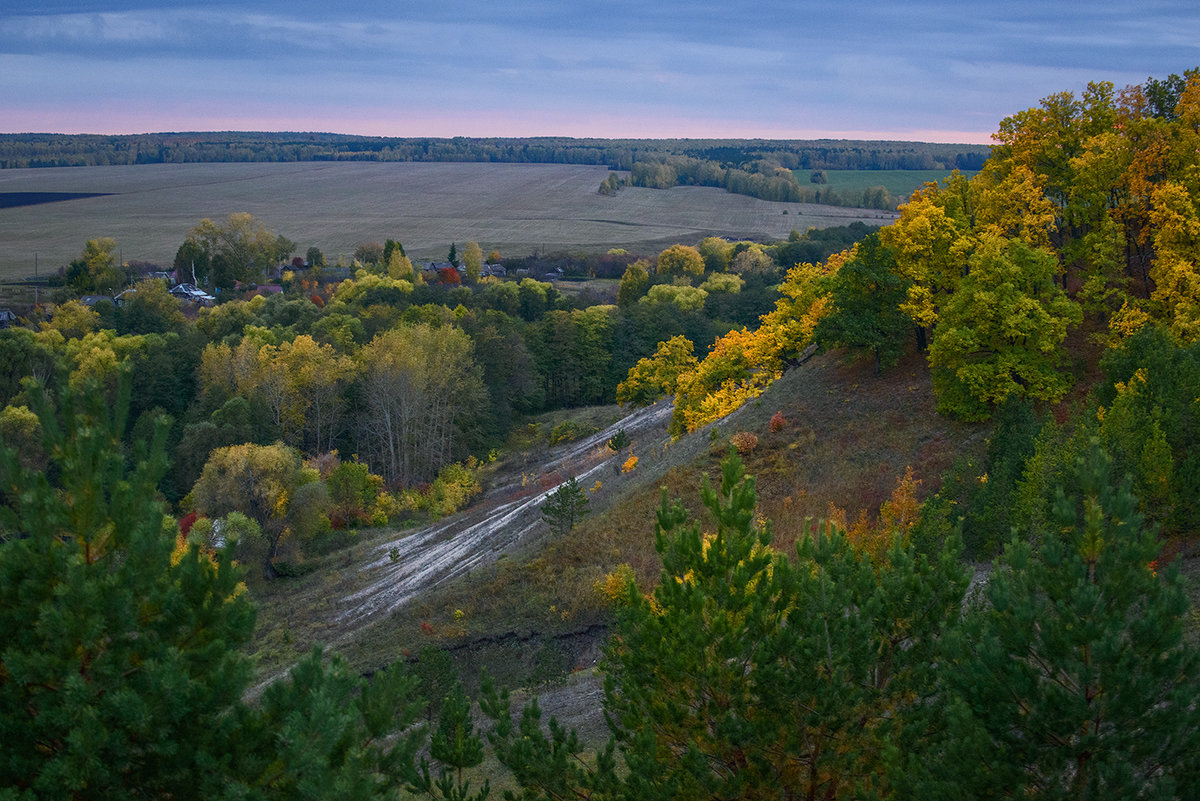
x=1000, y=333
x=864, y=298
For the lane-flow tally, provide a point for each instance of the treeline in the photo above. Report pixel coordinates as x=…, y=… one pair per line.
x=79, y=150
x=89, y=150
x=763, y=179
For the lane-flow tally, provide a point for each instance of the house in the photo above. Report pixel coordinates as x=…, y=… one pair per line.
x=92, y=300
x=7, y=318
x=192, y=294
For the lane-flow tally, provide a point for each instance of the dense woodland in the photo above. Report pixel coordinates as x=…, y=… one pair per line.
x=408, y=374
x=90, y=150
x=1055, y=296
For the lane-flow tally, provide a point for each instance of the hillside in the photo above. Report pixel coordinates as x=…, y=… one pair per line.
x=491, y=585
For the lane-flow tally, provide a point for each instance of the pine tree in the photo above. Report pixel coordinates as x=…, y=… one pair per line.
x=618, y=441
x=565, y=507
x=120, y=670
x=753, y=675
x=324, y=732
x=118, y=648
x=456, y=746
x=1074, y=679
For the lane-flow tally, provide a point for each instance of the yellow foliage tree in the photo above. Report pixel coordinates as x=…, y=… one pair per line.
x=658, y=376
x=73, y=320
x=256, y=480
x=739, y=367
x=931, y=241
x=803, y=301
x=1175, y=270
x=680, y=260
x=1014, y=206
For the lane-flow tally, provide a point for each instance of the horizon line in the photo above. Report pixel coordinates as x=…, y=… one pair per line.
x=843, y=136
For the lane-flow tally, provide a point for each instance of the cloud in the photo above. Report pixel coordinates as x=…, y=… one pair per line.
x=701, y=65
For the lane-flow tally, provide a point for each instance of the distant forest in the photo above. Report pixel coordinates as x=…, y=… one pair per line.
x=90, y=150
x=761, y=168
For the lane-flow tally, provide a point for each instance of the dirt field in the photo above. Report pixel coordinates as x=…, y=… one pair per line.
x=515, y=208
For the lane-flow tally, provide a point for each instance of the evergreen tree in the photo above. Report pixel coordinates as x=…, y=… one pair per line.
x=990, y=513
x=565, y=507
x=751, y=675
x=389, y=246
x=748, y=674
x=1074, y=680
x=120, y=674
x=325, y=733
x=118, y=648
x=456, y=745
x=618, y=441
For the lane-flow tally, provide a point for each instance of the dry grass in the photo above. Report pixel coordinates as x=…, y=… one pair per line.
x=848, y=438
x=535, y=617
x=515, y=208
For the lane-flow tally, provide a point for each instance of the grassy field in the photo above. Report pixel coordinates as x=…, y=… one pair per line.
x=514, y=208
x=900, y=183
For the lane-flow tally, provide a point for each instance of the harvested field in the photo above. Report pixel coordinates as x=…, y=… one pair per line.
x=12, y=200
x=514, y=208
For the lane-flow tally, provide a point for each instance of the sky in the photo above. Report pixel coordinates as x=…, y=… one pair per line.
x=924, y=70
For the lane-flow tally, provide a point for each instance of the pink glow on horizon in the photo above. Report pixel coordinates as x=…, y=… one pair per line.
x=445, y=125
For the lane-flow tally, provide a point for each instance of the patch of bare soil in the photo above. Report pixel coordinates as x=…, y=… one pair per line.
x=405, y=567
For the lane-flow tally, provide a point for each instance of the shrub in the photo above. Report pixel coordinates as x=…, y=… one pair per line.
x=618, y=441
x=454, y=486
x=630, y=463
x=568, y=431
x=744, y=441
x=778, y=422
x=386, y=507
x=613, y=589
x=352, y=491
